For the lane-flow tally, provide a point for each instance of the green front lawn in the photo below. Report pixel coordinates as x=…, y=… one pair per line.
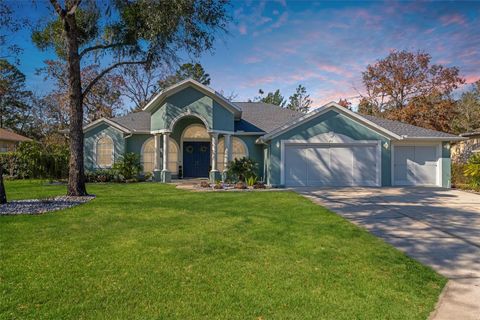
x=145, y=251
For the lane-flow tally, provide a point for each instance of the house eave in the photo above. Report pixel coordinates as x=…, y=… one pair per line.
x=167, y=92
x=100, y=121
x=322, y=110
x=426, y=139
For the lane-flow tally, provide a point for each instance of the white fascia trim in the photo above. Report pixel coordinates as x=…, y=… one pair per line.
x=237, y=133
x=243, y=133
x=201, y=87
x=160, y=131
x=434, y=139
x=98, y=122
x=318, y=112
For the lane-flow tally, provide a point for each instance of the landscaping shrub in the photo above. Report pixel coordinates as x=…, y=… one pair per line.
x=242, y=169
x=251, y=181
x=458, y=176
x=129, y=166
x=9, y=163
x=102, y=175
x=472, y=171
x=34, y=160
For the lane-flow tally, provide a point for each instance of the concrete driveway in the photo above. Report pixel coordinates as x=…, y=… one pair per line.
x=438, y=227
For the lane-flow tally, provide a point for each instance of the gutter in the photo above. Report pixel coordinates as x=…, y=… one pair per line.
x=452, y=138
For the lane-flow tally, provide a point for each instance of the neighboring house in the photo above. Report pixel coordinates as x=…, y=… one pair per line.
x=330, y=146
x=9, y=140
x=463, y=150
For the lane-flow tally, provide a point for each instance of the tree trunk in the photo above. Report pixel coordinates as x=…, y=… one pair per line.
x=76, y=176
x=3, y=195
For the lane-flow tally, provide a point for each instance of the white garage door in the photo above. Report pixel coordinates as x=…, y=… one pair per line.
x=415, y=165
x=331, y=165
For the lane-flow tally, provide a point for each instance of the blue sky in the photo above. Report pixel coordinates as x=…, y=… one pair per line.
x=322, y=45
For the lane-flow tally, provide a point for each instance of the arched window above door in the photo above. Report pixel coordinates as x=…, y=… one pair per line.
x=196, y=132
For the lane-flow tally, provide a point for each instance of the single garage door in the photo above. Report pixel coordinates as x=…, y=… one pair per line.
x=415, y=165
x=331, y=165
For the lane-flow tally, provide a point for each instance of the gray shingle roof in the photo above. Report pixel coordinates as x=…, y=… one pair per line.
x=404, y=129
x=137, y=121
x=264, y=117
x=259, y=116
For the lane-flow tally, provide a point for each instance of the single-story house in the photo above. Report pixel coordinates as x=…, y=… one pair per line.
x=9, y=140
x=463, y=150
x=190, y=130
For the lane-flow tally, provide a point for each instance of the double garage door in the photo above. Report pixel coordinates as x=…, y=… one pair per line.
x=332, y=165
x=415, y=165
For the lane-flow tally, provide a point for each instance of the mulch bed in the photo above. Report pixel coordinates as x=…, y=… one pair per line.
x=38, y=206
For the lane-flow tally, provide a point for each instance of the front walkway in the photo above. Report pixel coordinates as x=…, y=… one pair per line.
x=438, y=227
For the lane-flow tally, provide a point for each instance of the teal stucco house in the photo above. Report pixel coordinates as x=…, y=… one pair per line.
x=190, y=130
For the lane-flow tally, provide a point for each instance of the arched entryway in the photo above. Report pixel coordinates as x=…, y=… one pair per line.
x=196, y=148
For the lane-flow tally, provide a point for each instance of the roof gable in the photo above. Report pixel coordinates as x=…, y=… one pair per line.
x=322, y=110
x=109, y=122
x=391, y=129
x=167, y=92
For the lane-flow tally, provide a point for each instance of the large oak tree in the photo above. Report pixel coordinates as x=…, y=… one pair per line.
x=392, y=82
x=141, y=32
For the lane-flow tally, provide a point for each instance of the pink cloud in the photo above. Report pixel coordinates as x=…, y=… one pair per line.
x=429, y=31
x=454, y=18
x=331, y=68
x=471, y=78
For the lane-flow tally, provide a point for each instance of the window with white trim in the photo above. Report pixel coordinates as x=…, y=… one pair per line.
x=196, y=132
x=239, y=150
x=104, y=152
x=148, y=156
x=172, y=156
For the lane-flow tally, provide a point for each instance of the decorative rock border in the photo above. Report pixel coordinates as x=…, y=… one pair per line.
x=38, y=206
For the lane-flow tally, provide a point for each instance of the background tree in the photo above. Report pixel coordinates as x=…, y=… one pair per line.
x=15, y=99
x=140, y=84
x=392, y=82
x=432, y=112
x=300, y=101
x=468, y=107
x=103, y=100
x=275, y=98
x=138, y=32
x=8, y=26
x=185, y=71
x=345, y=103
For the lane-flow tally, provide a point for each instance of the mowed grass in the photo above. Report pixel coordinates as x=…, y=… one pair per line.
x=150, y=251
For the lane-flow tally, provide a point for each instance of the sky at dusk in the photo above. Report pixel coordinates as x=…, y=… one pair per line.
x=323, y=45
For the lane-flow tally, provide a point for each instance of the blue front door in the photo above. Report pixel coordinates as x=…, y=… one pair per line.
x=196, y=159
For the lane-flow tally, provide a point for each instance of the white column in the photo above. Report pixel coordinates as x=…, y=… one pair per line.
x=228, y=151
x=165, y=150
x=214, y=151
x=157, y=159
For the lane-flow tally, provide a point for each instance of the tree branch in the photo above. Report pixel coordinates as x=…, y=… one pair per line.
x=101, y=46
x=107, y=70
x=58, y=8
x=74, y=7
